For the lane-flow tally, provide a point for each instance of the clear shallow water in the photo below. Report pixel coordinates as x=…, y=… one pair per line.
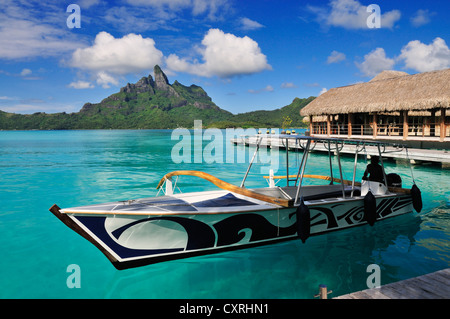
x=73, y=168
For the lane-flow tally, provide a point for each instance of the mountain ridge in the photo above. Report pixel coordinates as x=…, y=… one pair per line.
x=151, y=93
x=153, y=103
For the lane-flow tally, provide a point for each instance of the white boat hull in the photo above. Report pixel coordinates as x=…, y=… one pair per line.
x=132, y=237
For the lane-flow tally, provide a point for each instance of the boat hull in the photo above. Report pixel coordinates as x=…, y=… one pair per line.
x=132, y=240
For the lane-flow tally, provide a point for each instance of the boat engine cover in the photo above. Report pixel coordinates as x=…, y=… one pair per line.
x=394, y=180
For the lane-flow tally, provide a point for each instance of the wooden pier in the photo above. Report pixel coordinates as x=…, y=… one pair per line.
x=414, y=155
x=431, y=286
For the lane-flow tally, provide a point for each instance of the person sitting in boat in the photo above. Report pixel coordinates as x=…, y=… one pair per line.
x=374, y=171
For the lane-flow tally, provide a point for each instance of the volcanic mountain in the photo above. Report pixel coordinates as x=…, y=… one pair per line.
x=153, y=103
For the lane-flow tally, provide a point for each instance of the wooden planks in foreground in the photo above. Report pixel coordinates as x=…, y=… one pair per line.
x=431, y=286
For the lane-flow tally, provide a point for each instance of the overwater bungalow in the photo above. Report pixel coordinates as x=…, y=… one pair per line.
x=414, y=109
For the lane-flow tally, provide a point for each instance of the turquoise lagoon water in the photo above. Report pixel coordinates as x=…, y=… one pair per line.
x=73, y=168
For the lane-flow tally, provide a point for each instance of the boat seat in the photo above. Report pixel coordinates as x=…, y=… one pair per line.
x=334, y=194
x=316, y=192
x=272, y=191
x=310, y=192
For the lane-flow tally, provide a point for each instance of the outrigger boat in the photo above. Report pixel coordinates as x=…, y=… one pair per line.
x=143, y=231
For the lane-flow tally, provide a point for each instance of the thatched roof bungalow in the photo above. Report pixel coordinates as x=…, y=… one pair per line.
x=393, y=105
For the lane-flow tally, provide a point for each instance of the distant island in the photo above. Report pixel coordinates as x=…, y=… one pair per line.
x=154, y=104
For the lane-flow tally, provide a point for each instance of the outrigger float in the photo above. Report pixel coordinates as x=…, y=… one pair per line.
x=143, y=231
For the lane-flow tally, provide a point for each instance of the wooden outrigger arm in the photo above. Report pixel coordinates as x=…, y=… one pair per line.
x=227, y=186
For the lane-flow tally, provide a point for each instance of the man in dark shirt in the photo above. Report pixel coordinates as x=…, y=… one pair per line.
x=374, y=171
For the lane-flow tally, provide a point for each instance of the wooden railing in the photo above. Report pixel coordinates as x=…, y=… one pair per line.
x=393, y=129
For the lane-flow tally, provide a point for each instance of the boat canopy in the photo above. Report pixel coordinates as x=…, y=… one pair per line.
x=331, y=144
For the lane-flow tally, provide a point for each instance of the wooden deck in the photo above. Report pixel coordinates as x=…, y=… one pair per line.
x=431, y=286
x=415, y=156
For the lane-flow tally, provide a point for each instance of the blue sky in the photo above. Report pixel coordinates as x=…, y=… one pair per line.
x=247, y=55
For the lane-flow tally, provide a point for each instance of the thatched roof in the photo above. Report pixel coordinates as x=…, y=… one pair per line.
x=389, y=91
x=385, y=75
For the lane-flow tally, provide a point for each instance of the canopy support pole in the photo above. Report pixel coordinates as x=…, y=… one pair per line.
x=382, y=166
x=301, y=170
x=331, y=165
x=258, y=141
x=354, y=170
x=340, y=168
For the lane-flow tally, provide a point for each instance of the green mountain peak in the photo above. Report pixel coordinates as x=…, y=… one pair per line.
x=153, y=103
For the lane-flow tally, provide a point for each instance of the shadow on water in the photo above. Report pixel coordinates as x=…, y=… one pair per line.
x=286, y=270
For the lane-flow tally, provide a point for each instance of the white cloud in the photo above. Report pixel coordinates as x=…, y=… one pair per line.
x=104, y=79
x=322, y=91
x=288, y=85
x=131, y=53
x=81, y=85
x=247, y=24
x=312, y=85
x=174, y=63
x=389, y=19
x=23, y=34
x=416, y=55
x=22, y=108
x=423, y=58
x=336, y=57
x=7, y=98
x=87, y=3
x=351, y=14
x=225, y=55
x=109, y=57
x=30, y=106
x=172, y=4
x=25, y=72
x=375, y=62
x=211, y=8
x=134, y=19
x=268, y=88
x=421, y=18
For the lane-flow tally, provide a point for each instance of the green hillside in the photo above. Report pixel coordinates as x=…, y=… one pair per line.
x=274, y=118
x=153, y=104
